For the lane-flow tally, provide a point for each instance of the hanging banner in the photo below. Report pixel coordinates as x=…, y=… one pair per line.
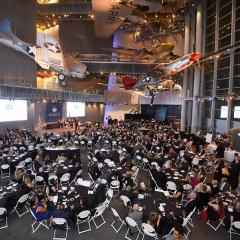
x=53, y=112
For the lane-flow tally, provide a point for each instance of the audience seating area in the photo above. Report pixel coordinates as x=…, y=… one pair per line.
x=139, y=185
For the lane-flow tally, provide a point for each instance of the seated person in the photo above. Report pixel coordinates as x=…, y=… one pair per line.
x=224, y=186
x=214, y=188
x=215, y=210
x=203, y=197
x=136, y=214
x=18, y=177
x=154, y=220
x=40, y=209
x=177, y=234
x=60, y=212
x=190, y=204
x=233, y=217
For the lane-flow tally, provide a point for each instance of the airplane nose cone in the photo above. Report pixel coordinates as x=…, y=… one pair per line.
x=195, y=56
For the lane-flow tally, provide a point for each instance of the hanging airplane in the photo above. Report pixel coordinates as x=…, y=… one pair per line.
x=166, y=70
x=47, y=53
x=155, y=53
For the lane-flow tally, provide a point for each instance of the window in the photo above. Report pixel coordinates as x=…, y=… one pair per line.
x=224, y=112
x=236, y=112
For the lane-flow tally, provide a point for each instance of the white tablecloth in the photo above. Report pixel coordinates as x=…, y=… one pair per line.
x=229, y=155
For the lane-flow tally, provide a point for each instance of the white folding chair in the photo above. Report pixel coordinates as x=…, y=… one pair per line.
x=132, y=227
x=234, y=229
x=145, y=164
x=148, y=230
x=187, y=188
x=5, y=171
x=55, y=177
x=188, y=220
x=28, y=163
x=60, y=224
x=39, y=181
x=39, y=223
x=219, y=223
x=98, y=215
x=3, y=217
x=115, y=185
x=157, y=188
x=126, y=201
x=82, y=145
x=195, y=162
x=79, y=173
x=135, y=171
x=171, y=187
x=21, y=203
x=108, y=199
x=89, y=144
x=118, y=219
x=84, y=218
x=65, y=179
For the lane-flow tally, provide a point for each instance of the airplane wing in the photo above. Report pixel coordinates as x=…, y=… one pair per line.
x=110, y=85
x=16, y=43
x=107, y=14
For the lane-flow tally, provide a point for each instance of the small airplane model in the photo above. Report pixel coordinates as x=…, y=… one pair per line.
x=166, y=70
x=128, y=82
x=155, y=53
x=110, y=14
x=47, y=53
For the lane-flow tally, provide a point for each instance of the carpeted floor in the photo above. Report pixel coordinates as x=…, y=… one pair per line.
x=20, y=228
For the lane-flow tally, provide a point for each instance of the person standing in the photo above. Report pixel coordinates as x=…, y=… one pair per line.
x=234, y=172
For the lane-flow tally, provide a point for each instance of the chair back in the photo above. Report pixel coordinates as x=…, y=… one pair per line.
x=171, y=186
x=59, y=223
x=148, y=230
x=3, y=211
x=130, y=222
x=22, y=199
x=125, y=200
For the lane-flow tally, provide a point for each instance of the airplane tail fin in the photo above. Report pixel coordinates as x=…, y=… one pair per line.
x=5, y=26
x=129, y=82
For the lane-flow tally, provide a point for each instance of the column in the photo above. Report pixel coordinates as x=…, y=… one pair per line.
x=184, y=88
x=231, y=71
x=197, y=70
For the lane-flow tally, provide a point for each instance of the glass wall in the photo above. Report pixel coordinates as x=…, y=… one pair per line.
x=224, y=23
x=210, y=26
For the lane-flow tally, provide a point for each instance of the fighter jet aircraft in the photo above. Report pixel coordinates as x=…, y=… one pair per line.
x=47, y=53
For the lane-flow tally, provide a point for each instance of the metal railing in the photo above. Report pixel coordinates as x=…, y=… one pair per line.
x=31, y=93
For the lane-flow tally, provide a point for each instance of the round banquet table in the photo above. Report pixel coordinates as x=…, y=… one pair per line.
x=151, y=203
x=69, y=152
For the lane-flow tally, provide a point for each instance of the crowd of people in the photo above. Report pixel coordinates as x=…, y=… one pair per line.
x=143, y=157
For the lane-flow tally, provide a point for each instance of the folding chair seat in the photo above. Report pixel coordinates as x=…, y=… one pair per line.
x=115, y=185
x=3, y=218
x=5, y=171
